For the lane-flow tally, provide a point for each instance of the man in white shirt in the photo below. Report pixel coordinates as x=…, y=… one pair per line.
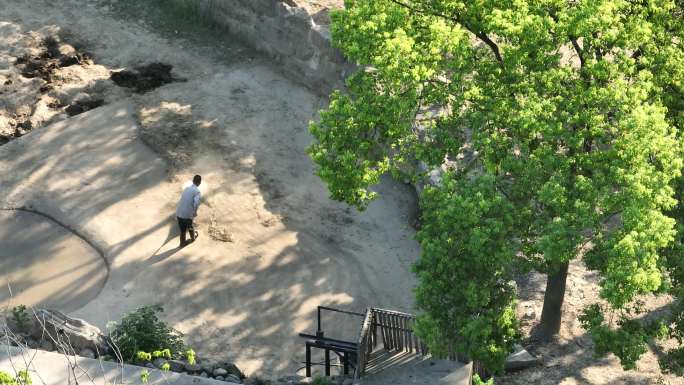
x=187, y=210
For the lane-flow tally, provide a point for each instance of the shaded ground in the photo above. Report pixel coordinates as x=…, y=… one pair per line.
x=569, y=360
x=45, y=264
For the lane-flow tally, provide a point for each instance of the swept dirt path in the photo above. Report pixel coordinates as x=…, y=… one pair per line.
x=280, y=247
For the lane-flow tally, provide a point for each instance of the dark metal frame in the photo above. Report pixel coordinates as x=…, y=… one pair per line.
x=346, y=350
x=396, y=334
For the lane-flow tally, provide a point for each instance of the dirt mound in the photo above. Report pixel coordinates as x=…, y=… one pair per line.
x=144, y=78
x=45, y=80
x=55, y=55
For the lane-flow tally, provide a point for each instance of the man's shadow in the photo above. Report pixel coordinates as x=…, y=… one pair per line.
x=173, y=233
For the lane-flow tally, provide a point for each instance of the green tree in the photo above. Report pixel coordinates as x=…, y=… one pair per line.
x=557, y=126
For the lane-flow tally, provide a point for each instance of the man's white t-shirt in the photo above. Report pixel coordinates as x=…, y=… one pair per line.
x=189, y=202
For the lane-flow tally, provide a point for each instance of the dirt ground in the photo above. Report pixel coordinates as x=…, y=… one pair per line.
x=273, y=246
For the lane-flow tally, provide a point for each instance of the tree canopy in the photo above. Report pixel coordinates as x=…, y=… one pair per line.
x=557, y=124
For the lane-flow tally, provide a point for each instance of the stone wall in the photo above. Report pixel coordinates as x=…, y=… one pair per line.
x=284, y=32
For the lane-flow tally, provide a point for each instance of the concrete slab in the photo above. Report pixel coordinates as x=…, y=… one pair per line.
x=50, y=368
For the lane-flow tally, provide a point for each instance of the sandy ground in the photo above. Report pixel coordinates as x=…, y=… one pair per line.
x=45, y=264
x=280, y=247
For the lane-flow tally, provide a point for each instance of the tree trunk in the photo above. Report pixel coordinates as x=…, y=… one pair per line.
x=553, y=303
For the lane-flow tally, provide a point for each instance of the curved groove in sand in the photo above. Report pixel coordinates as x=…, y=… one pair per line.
x=76, y=233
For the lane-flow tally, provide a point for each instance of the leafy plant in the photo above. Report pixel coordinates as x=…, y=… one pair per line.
x=142, y=331
x=142, y=357
x=558, y=129
x=319, y=380
x=627, y=341
x=190, y=356
x=164, y=353
x=673, y=362
x=144, y=376
x=478, y=381
x=22, y=378
x=21, y=317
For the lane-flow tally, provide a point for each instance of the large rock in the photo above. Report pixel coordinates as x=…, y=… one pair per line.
x=220, y=372
x=521, y=359
x=192, y=368
x=177, y=366
x=233, y=369
x=208, y=365
x=71, y=334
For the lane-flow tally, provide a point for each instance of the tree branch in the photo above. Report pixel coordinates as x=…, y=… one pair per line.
x=577, y=48
x=491, y=44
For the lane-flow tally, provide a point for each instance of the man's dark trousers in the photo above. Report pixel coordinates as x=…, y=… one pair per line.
x=185, y=224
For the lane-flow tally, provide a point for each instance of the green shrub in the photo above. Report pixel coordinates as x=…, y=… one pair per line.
x=478, y=381
x=22, y=377
x=21, y=317
x=142, y=331
x=321, y=381
x=190, y=356
x=673, y=362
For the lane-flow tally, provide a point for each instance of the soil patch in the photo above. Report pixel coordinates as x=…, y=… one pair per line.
x=44, y=80
x=144, y=78
x=55, y=55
